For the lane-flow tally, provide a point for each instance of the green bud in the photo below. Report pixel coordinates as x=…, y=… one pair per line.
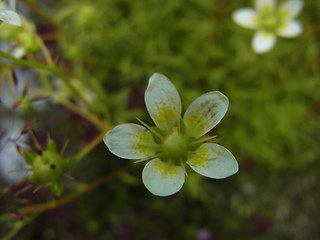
x=48, y=168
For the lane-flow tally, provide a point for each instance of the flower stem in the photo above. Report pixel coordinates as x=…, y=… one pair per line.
x=38, y=209
x=88, y=148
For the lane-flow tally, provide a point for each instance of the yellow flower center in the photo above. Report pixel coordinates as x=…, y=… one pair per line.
x=271, y=20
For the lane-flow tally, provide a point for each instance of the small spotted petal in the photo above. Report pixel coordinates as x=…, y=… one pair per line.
x=205, y=113
x=163, y=102
x=265, y=4
x=213, y=161
x=291, y=8
x=263, y=42
x=130, y=141
x=246, y=17
x=162, y=179
x=291, y=29
x=10, y=17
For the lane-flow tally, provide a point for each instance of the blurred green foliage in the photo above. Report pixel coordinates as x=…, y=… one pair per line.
x=272, y=126
x=196, y=44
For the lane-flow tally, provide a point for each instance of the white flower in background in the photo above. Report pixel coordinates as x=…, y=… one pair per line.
x=17, y=42
x=10, y=158
x=10, y=17
x=270, y=20
x=175, y=142
x=6, y=44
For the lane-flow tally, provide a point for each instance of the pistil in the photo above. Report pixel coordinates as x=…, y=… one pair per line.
x=174, y=146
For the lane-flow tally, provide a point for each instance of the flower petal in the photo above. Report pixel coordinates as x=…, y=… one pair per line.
x=213, y=161
x=205, y=113
x=10, y=17
x=291, y=8
x=245, y=17
x=163, y=102
x=162, y=179
x=10, y=159
x=291, y=29
x=263, y=5
x=263, y=41
x=130, y=141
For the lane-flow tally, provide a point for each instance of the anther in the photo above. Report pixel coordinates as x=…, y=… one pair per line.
x=175, y=129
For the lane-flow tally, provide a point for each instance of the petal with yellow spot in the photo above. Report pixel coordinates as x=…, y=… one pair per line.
x=263, y=41
x=246, y=17
x=213, y=161
x=265, y=5
x=290, y=29
x=131, y=141
x=162, y=179
x=163, y=102
x=205, y=113
x=292, y=7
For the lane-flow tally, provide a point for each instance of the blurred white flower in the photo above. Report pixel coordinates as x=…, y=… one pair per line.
x=6, y=46
x=175, y=142
x=269, y=20
x=17, y=42
x=9, y=16
x=10, y=158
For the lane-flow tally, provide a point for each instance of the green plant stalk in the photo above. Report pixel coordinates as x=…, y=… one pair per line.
x=38, y=209
x=45, y=67
x=97, y=140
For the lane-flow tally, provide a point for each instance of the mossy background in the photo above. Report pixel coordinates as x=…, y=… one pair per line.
x=110, y=49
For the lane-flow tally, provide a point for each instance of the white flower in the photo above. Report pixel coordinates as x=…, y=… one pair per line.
x=175, y=142
x=10, y=158
x=269, y=20
x=10, y=17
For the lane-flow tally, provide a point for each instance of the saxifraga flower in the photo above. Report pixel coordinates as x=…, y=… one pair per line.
x=175, y=142
x=269, y=21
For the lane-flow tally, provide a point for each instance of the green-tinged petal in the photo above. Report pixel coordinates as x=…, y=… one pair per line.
x=131, y=141
x=291, y=29
x=291, y=8
x=10, y=17
x=163, y=102
x=265, y=5
x=263, y=42
x=205, y=113
x=162, y=179
x=213, y=161
x=246, y=17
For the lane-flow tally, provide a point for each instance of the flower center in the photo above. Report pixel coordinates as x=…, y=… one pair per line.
x=174, y=146
x=271, y=20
